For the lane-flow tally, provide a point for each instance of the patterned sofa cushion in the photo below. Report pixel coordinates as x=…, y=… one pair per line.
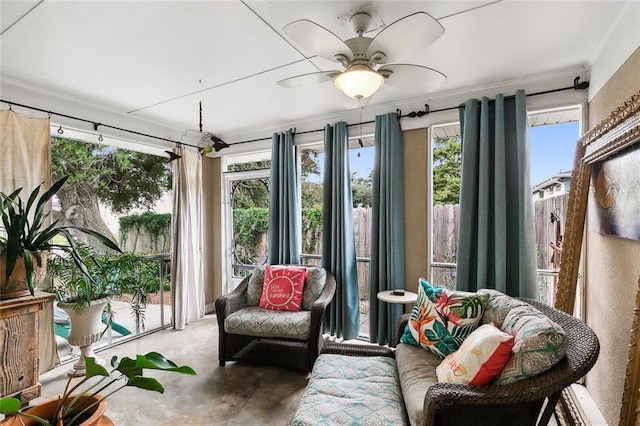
x=255, y=321
x=254, y=287
x=348, y=390
x=539, y=343
x=498, y=307
x=313, y=286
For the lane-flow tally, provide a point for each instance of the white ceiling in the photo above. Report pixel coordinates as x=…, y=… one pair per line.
x=149, y=63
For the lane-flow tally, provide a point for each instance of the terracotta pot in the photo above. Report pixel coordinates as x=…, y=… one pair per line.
x=17, y=285
x=86, y=329
x=45, y=410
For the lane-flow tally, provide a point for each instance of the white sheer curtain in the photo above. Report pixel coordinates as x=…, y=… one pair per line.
x=187, y=287
x=25, y=163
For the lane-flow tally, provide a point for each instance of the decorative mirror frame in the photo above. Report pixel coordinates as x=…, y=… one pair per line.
x=620, y=129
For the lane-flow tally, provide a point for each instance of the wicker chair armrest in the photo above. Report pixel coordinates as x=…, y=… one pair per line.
x=320, y=304
x=353, y=349
x=233, y=301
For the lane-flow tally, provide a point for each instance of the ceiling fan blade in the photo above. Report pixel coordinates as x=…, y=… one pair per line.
x=317, y=40
x=413, y=77
x=406, y=36
x=308, y=79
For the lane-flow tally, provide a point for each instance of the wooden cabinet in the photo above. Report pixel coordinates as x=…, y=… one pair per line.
x=19, y=345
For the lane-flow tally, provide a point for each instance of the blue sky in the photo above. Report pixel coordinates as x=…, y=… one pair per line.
x=551, y=149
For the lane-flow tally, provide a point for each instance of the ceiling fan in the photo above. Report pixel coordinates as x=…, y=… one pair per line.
x=368, y=61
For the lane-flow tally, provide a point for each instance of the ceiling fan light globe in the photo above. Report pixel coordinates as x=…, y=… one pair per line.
x=359, y=82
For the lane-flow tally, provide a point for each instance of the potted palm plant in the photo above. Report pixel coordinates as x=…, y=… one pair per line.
x=83, y=403
x=87, y=303
x=26, y=237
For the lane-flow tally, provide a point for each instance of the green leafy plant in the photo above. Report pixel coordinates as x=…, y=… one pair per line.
x=129, y=275
x=72, y=408
x=25, y=224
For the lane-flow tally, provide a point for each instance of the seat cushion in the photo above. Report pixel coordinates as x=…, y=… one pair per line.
x=256, y=321
x=349, y=390
x=417, y=372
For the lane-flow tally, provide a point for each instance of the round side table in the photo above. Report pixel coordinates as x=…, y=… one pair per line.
x=389, y=297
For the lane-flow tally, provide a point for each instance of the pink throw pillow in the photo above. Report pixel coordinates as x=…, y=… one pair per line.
x=481, y=357
x=282, y=288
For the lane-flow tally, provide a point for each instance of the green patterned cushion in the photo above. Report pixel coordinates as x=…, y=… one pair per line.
x=255, y=321
x=498, y=307
x=539, y=344
x=313, y=286
x=348, y=390
x=254, y=287
x=441, y=319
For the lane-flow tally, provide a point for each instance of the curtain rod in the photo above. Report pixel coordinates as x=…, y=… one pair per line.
x=577, y=85
x=95, y=124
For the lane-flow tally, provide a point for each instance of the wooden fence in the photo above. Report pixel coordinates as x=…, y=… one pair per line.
x=445, y=229
x=445, y=236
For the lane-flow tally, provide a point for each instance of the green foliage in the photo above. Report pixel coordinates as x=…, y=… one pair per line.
x=447, y=166
x=251, y=165
x=362, y=191
x=250, y=193
x=248, y=227
x=72, y=286
x=155, y=224
x=311, y=194
x=82, y=397
x=121, y=179
x=130, y=275
x=27, y=229
x=311, y=228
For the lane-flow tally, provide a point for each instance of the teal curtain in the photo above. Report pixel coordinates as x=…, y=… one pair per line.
x=284, y=227
x=342, y=318
x=387, y=228
x=496, y=242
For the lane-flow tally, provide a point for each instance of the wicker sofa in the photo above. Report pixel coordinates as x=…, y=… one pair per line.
x=287, y=339
x=429, y=402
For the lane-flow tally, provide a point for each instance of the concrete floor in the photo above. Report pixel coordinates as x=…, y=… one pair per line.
x=231, y=395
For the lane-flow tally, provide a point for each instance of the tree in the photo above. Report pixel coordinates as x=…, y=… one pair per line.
x=447, y=167
x=119, y=178
x=362, y=190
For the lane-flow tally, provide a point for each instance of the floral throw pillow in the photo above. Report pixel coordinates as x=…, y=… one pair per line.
x=282, y=288
x=441, y=319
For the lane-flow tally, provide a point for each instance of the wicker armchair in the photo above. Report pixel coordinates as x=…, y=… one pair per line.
x=518, y=403
x=297, y=353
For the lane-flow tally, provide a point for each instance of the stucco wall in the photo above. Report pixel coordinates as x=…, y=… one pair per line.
x=612, y=271
x=416, y=219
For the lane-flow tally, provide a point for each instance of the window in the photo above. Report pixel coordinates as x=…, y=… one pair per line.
x=311, y=171
x=552, y=137
x=116, y=190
